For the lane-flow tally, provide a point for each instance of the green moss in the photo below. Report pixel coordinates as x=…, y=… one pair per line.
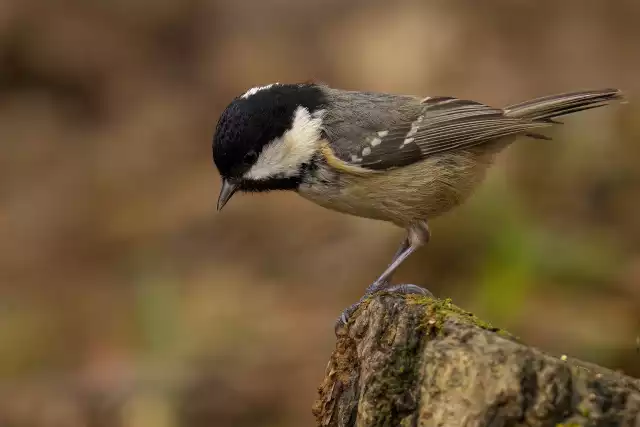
x=437, y=311
x=406, y=422
x=584, y=411
x=568, y=425
x=395, y=384
x=398, y=378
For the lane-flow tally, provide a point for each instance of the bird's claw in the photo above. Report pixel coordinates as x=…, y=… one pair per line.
x=404, y=289
x=344, y=317
x=407, y=289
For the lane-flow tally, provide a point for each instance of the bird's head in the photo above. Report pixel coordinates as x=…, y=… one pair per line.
x=267, y=137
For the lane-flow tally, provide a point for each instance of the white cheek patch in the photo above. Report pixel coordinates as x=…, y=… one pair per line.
x=257, y=89
x=283, y=156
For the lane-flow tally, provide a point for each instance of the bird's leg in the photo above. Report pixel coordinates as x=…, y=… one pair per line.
x=417, y=236
x=403, y=247
x=378, y=284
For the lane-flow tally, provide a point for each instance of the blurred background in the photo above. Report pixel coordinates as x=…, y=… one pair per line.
x=126, y=300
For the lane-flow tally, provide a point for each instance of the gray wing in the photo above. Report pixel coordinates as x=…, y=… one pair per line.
x=436, y=125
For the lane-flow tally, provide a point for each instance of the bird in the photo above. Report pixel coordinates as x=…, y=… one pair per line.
x=402, y=159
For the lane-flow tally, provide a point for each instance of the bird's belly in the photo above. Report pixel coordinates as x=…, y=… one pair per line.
x=420, y=191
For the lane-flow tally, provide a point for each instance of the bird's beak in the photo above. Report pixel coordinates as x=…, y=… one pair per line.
x=227, y=190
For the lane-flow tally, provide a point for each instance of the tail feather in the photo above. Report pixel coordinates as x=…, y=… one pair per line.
x=548, y=107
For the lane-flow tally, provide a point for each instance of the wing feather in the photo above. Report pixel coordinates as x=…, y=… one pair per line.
x=440, y=124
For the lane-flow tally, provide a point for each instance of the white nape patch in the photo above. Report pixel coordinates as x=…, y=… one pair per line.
x=383, y=133
x=283, y=156
x=257, y=89
x=366, y=151
x=375, y=142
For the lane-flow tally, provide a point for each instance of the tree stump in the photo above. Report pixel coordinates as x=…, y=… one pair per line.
x=417, y=361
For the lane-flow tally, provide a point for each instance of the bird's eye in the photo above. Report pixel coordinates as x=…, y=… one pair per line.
x=250, y=157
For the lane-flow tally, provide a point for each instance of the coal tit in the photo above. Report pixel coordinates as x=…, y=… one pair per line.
x=397, y=158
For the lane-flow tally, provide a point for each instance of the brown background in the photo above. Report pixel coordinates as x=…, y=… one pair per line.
x=125, y=300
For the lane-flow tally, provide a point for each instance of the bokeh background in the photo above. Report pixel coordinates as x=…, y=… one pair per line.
x=126, y=300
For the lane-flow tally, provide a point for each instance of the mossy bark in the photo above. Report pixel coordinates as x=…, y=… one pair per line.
x=415, y=361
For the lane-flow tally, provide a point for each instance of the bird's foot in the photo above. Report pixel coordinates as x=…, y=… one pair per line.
x=410, y=289
x=404, y=289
